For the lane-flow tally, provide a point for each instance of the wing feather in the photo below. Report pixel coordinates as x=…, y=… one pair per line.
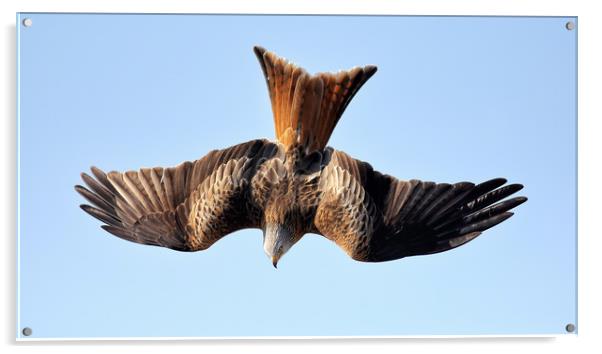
x=376, y=217
x=187, y=207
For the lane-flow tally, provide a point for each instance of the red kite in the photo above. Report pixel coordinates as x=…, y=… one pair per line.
x=296, y=185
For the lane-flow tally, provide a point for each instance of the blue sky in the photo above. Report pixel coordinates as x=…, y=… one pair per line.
x=455, y=98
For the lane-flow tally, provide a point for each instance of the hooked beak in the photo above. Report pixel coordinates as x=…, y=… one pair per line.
x=276, y=242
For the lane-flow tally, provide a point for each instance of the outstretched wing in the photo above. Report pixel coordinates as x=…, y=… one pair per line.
x=375, y=217
x=188, y=207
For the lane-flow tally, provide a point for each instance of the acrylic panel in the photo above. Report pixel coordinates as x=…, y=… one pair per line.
x=454, y=99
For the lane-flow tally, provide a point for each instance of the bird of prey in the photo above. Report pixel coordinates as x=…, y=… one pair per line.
x=296, y=185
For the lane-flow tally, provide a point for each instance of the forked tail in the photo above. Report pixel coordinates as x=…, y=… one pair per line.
x=307, y=107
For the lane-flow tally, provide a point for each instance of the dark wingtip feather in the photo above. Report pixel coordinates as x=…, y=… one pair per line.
x=484, y=195
x=96, y=200
x=507, y=204
x=100, y=214
x=520, y=200
x=500, y=193
x=100, y=175
x=489, y=185
x=493, y=210
x=100, y=187
x=101, y=178
x=89, y=196
x=85, y=207
x=96, y=171
x=86, y=177
x=515, y=187
x=487, y=223
x=498, y=181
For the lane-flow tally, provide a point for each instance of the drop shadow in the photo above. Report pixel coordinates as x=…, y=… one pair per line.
x=299, y=342
x=10, y=149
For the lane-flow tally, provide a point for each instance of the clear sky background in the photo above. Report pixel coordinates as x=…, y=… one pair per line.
x=455, y=98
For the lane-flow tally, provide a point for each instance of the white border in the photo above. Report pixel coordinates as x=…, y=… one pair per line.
x=589, y=173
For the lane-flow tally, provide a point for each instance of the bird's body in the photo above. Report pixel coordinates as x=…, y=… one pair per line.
x=294, y=186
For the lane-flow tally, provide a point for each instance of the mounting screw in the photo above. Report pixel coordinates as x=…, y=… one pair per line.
x=27, y=22
x=570, y=328
x=570, y=25
x=27, y=331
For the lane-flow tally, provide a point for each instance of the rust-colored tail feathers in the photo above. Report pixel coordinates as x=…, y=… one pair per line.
x=307, y=107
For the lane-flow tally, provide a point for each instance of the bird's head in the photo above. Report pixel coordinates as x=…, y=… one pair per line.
x=277, y=240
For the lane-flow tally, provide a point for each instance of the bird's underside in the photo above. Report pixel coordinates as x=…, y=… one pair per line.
x=296, y=185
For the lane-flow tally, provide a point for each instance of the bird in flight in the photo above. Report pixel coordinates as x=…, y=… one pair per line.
x=296, y=185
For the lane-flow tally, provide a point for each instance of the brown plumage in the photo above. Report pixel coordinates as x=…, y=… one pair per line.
x=296, y=185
